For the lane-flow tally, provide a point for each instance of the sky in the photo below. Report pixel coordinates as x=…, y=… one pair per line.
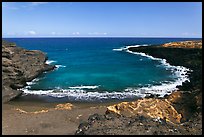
x=102, y=19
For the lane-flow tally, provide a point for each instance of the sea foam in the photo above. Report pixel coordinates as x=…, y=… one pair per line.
x=179, y=71
x=84, y=87
x=50, y=61
x=126, y=47
x=81, y=93
x=58, y=66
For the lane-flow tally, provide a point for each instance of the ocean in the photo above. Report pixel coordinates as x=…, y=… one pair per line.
x=101, y=69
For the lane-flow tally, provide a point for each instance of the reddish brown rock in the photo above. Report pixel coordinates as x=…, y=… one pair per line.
x=154, y=108
x=184, y=44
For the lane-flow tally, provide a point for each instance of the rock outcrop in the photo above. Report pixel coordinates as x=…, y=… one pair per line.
x=189, y=98
x=179, y=113
x=147, y=107
x=18, y=67
x=184, y=44
x=113, y=124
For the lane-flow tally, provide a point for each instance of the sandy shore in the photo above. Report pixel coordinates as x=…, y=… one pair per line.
x=19, y=118
x=40, y=116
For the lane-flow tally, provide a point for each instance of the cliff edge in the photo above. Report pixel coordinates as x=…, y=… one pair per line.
x=18, y=67
x=179, y=113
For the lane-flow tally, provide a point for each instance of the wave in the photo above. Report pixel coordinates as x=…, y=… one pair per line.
x=132, y=46
x=81, y=95
x=179, y=71
x=93, y=93
x=33, y=81
x=58, y=66
x=50, y=61
x=120, y=49
x=126, y=47
x=90, y=93
x=84, y=87
x=165, y=88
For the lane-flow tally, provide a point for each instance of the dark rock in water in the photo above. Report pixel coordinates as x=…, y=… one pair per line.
x=19, y=66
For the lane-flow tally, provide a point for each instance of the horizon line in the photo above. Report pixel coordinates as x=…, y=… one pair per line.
x=97, y=37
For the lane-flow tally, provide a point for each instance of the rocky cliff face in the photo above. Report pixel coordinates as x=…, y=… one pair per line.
x=19, y=66
x=180, y=113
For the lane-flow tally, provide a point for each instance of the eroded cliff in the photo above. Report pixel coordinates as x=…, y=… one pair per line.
x=19, y=66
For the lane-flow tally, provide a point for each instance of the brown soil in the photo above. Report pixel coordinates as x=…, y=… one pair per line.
x=31, y=118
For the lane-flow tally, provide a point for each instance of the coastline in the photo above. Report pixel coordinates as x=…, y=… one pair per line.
x=187, y=101
x=18, y=67
x=59, y=121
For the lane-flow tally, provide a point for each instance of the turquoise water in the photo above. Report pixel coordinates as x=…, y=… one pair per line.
x=89, y=68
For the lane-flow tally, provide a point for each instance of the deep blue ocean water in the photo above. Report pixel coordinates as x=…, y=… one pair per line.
x=90, y=68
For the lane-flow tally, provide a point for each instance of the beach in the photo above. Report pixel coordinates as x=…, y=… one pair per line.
x=102, y=68
x=21, y=118
x=181, y=114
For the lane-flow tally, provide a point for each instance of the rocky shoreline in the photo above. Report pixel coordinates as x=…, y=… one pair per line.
x=18, y=67
x=179, y=113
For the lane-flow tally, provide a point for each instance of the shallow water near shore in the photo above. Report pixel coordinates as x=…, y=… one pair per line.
x=97, y=69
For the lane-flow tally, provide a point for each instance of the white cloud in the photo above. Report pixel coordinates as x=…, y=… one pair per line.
x=9, y=6
x=194, y=34
x=185, y=33
x=75, y=33
x=38, y=3
x=53, y=33
x=16, y=7
x=11, y=33
x=143, y=33
x=189, y=34
x=97, y=33
x=31, y=32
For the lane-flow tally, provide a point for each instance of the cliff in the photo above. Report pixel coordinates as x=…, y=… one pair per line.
x=18, y=67
x=180, y=113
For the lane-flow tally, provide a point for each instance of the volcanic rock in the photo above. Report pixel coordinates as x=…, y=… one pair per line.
x=19, y=66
